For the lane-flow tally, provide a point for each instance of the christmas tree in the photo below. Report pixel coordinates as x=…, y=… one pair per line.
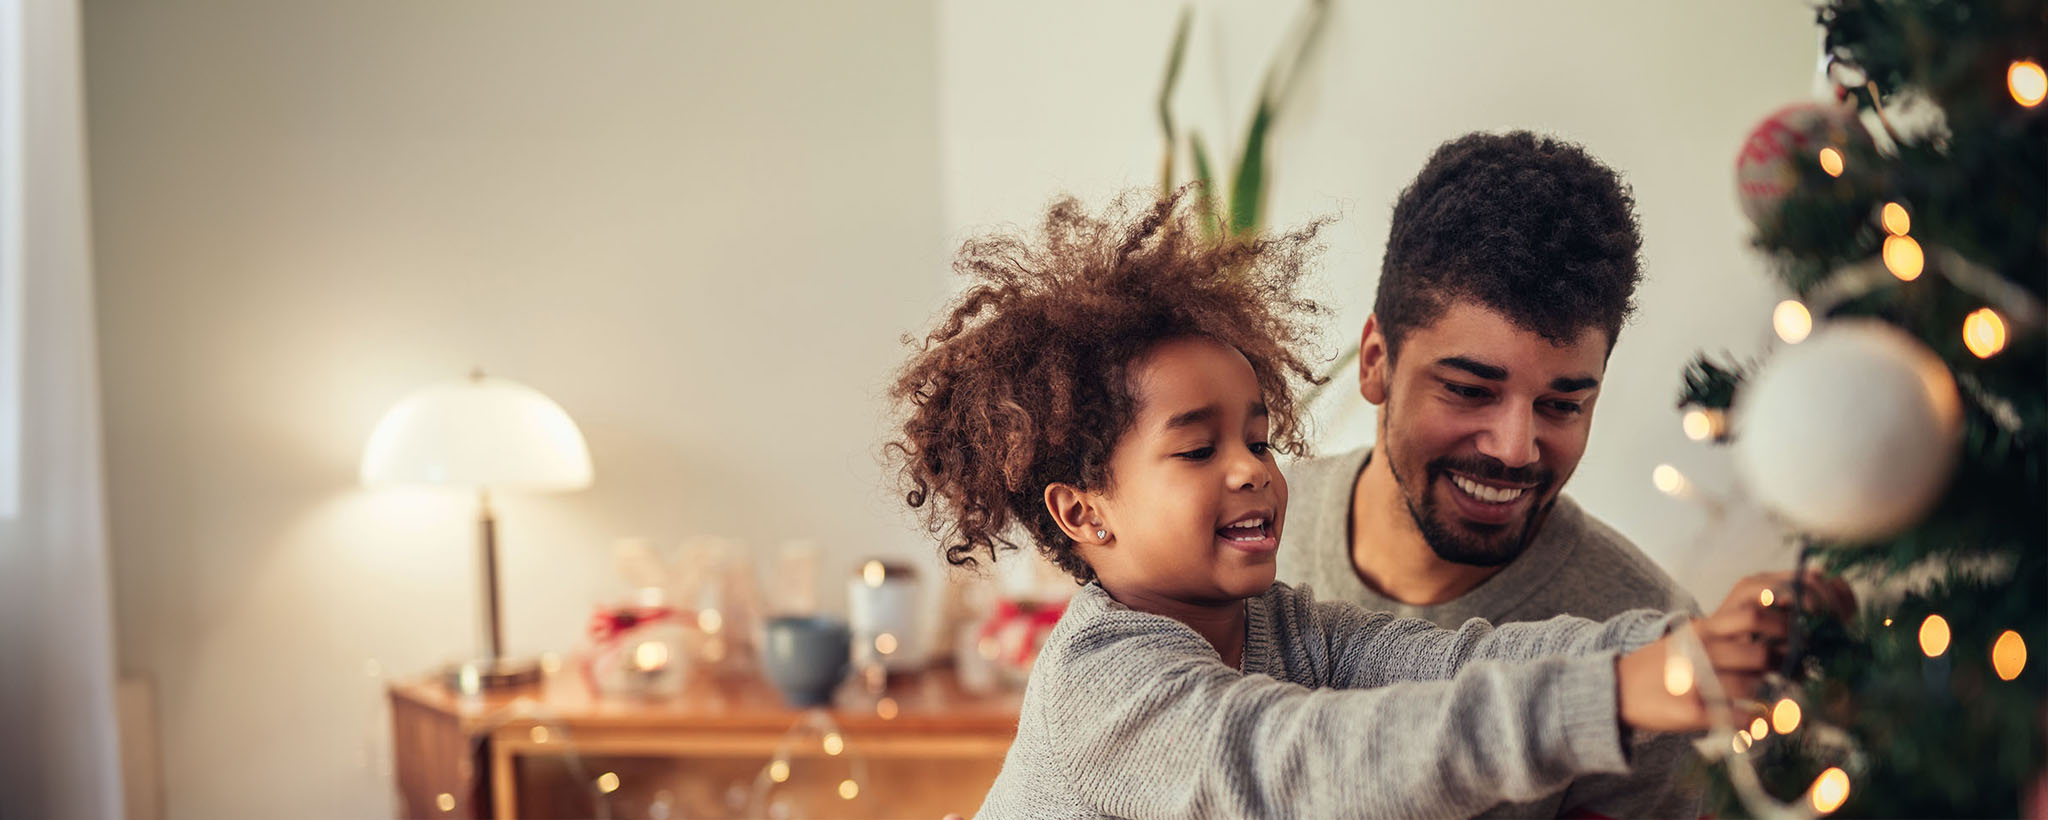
x=1899, y=431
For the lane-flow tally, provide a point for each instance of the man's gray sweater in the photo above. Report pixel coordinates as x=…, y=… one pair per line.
x=1336, y=711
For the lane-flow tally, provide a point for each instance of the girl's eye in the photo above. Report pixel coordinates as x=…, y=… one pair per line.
x=1261, y=447
x=1197, y=454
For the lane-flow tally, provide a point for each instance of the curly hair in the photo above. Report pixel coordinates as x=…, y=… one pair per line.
x=1531, y=227
x=1025, y=382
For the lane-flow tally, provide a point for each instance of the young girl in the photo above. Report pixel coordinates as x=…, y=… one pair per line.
x=1119, y=390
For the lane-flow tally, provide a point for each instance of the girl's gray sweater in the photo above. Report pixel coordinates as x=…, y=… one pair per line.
x=1337, y=711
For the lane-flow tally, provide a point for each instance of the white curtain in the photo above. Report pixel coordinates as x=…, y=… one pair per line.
x=59, y=742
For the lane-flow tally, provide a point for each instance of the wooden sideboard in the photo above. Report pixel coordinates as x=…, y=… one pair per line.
x=922, y=748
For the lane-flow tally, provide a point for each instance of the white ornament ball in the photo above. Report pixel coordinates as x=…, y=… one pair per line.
x=1850, y=435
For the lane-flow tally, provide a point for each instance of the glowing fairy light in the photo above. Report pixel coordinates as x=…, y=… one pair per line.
x=608, y=782
x=778, y=771
x=887, y=708
x=1668, y=480
x=1984, y=333
x=2027, y=82
x=1902, y=256
x=1831, y=161
x=1785, y=716
x=2009, y=655
x=1830, y=790
x=1896, y=221
x=539, y=734
x=1742, y=741
x=848, y=789
x=1701, y=424
x=1791, y=321
x=445, y=801
x=834, y=744
x=1759, y=728
x=710, y=621
x=1934, y=636
x=873, y=573
x=885, y=643
x=1677, y=675
x=1767, y=598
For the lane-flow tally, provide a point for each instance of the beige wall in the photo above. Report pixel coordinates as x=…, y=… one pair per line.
x=699, y=227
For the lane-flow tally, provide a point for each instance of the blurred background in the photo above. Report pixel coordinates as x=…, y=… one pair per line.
x=704, y=231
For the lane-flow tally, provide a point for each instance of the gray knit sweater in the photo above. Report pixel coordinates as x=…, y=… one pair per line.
x=1337, y=711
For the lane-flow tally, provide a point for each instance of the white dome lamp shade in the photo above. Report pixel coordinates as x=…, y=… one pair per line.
x=491, y=434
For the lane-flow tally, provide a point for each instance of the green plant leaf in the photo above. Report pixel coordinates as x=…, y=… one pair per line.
x=1248, y=190
x=1174, y=58
x=1205, y=199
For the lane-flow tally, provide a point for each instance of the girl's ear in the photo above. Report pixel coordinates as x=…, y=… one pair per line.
x=1074, y=510
x=1373, y=362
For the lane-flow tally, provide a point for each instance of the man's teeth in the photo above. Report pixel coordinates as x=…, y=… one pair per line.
x=1490, y=495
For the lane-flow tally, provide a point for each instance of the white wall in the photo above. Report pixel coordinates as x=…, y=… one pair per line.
x=1058, y=96
x=699, y=227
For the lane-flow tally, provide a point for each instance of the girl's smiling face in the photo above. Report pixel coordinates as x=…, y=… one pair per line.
x=1195, y=503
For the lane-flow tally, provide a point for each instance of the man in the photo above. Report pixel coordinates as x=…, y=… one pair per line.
x=1509, y=270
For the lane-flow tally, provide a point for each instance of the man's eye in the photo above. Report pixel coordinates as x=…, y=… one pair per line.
x=1197, y=454
x=1466, y=391
x=1567, y=408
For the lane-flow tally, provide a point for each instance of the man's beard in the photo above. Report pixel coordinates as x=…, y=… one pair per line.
x=1469, y=543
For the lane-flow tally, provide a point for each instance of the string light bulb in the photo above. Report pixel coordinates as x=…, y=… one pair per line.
x=1766, y=598
x=1742, y=741
x=848, y=789
x=1668, y=480
x=887, y=708
x=778, y=771
x=885, y=643
x=1785, y=716
x=2027, y=82
x=1984, y=333
x=1896, y=221
x=1934, y=636
x=1792, y=322
x=1831, y=161
x=539, y=734
x=2009, y=655
x=1830, y=790
x=1759, y=728
x=873, y=574
x=1903, y=257
x=1677, y=675
x=608, y=782
x=1702, y=423
x=445, y=801
x=834, y=744
x=710, y=621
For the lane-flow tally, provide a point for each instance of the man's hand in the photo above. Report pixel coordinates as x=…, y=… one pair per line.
x=1744, y=640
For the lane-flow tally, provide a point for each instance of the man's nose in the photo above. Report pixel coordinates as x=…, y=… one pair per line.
x=1510, y=437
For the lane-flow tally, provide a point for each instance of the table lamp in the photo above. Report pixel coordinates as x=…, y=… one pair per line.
x=491, y=434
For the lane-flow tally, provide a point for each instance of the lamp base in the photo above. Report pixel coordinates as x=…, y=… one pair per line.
x=490, y=675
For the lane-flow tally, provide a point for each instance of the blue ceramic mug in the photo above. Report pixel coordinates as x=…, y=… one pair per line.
x=806, y=657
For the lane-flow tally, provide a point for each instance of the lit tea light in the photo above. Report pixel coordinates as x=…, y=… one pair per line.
x=1792, y=321
x=1830, y=790
x=1785, y=716
x=2009, y=655
x=1934, y=636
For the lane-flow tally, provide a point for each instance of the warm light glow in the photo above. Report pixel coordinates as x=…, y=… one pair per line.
x=885, y=643
x=1896, y=221
x=988, y=648
x=1792, y=321
x=1767, y=598
x=1742, y=741
x=848, y=789
x=1759, y=729
x=1984, y=333
x=2027, y=82
x=1668, y=480
x=1934, y=636
x=608, y=782
x=1785, y=716
x=650, y=656
x=1830, y=790
x=834, y=744
x=886, y=708
x=1887, y=622
x=872, y=573
x=778, y=771
x=2009, y=655
x=1831, y=161
x=1701, y=424
x=1903, y=258
x=1677, y=675
x=710, y=621
x=445, y=800
x=539, y=734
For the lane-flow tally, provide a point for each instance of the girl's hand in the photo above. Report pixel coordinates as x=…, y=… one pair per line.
x=1744, y=639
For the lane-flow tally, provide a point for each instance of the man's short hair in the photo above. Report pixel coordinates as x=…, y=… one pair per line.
x=1531, y=227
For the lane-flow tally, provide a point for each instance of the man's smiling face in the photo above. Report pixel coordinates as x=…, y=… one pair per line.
x=1482, y=422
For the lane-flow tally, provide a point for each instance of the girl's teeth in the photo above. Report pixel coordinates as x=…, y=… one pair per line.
x=1490, y=495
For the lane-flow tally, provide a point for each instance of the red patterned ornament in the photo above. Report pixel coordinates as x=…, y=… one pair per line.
x=1766, y=170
